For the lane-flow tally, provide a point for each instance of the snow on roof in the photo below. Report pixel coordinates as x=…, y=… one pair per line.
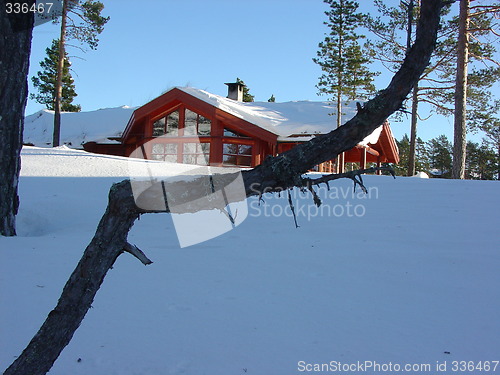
x=296, y=118
x=283, y=119
x=77, y=128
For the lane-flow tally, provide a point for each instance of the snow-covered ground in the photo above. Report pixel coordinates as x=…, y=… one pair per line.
x=407, y=275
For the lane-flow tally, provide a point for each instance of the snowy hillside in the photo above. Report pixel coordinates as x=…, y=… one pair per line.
x=407, y=275
x=77, y=127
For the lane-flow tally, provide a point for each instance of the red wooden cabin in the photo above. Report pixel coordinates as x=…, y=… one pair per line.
x=187, y=125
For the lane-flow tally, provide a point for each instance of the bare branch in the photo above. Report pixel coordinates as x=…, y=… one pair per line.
x=138, y=253
x=355, y=176
x=438, y=105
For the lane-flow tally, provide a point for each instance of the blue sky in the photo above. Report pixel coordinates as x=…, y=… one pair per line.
x=149, y=46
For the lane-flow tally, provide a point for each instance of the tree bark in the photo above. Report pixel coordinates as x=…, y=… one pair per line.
x=340, y=157
x=414, y=107
x=460, y=129
x=498, y=161
x=15, y=46
x=413, y=132
x=276, y=173
x=56, y=137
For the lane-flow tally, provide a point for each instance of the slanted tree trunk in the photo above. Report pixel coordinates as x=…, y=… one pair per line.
x=274, y=174
x=56, y=137
x=15, y=46
x=459, y=139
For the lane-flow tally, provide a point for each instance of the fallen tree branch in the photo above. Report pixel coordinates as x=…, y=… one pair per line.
x=274, y=174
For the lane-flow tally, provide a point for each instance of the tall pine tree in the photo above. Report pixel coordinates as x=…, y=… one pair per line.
x=440, y=151
x=341, y=58
x=45, y=81
x=82, y=22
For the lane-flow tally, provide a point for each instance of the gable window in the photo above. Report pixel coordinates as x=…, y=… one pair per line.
x=168, y=125
x=189, y=122
x=196, y=124
x=230, y=133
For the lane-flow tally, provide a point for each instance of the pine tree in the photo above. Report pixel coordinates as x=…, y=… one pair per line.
x=341, y=58
x=272, y=99
x=481, y=162
x=440, y=151
x=401, y=168
x=85, y=24
x=421, y=156
x=491, y=128
x=45, y=81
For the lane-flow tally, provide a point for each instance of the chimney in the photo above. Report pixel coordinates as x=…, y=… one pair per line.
x=235, y=91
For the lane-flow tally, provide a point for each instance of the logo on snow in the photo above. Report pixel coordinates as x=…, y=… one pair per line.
x=204, y=201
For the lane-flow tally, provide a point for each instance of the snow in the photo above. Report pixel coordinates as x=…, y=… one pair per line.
x=297, y=118
x=403, y=275
x=284, y=119
x=421, y=175
x=77, y=128
x=63, y=161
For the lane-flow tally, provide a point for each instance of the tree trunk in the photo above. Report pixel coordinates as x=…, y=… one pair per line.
x=459, y=141
x=280, y=172
x=56, y=137
x=15, y=46
x=340, y=157
x=414, y=107
x=498, y=160
x=413, y=133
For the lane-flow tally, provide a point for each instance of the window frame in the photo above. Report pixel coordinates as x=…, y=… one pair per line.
x=181, y=123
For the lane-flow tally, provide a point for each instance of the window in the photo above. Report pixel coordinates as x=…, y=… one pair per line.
x=230, y=133
x=191, y=153
x=237, y=154
x=159, y=127
x=165, y=152
x=195, y=124
x=196, y=153
x=168, y=125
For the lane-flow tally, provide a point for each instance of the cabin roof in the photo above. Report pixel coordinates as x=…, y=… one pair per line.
x=283, y=119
